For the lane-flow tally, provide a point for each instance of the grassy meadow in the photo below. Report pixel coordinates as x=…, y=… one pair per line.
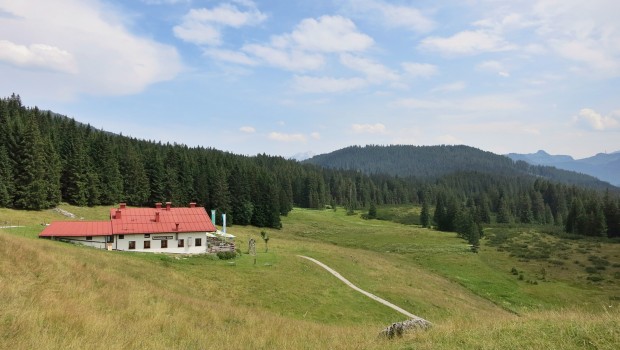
x=524, y=290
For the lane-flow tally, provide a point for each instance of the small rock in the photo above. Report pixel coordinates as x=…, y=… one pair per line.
x=397, y=329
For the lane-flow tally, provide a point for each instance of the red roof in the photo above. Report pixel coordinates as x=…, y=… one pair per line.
x=77, y=229
x=143, y=220
x=136, y=221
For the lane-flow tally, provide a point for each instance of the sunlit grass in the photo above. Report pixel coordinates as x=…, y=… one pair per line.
x=58, y=295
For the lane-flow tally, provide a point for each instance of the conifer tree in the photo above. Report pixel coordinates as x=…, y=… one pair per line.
x=425, y=216
x=30, y=187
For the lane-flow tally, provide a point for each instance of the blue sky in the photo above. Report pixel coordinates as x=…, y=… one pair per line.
x=284, y=77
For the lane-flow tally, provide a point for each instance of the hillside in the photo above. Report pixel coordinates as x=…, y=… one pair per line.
x=58, y=295
x=605, y=166
x=431, y=162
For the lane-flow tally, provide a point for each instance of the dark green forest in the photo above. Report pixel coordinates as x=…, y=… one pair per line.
x=46, y=158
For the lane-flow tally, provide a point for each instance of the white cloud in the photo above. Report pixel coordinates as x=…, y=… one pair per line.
x=466, y=43
x=393, y=15
x=327, y=34
x=247, y=129
x=377, y=128
x=203, y=26
x=424, y=70
x=327, y=85
x=277, y=136
x=493, y=67
x=198, y=33
x=315, y=135
x=598, y=122
x=293, y=60
x=236, y=57
x=451, y=87
x=375, y=72
x=68, y=37
x=38, y=56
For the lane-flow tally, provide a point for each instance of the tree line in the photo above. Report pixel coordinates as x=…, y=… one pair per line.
x=46, y=158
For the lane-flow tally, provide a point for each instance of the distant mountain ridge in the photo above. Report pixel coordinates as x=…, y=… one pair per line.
x=604, y=166
x=433, y=162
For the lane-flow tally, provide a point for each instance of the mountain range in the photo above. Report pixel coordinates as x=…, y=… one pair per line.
x=433, y=162
x=605, y=166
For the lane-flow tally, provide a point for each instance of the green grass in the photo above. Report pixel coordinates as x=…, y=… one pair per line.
x=59, y=295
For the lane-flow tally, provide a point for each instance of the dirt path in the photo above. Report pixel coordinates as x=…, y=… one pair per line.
x=370, y=295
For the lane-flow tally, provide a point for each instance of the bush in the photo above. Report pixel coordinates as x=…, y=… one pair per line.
x=514, y=271
x=595, y=278
x=591, y=269
x=226, y=255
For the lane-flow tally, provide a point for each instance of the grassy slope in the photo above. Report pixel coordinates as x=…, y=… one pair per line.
x=63, y=296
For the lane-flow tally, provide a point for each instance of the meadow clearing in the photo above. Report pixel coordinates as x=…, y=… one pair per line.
x=524, y=289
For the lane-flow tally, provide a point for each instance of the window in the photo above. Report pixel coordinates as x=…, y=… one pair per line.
x=121, y=236
x=198, y=242
x=164, y=243
x=181, y=243
x=147, y=235
x=147, y=244
x=132, y=244
x=110, y=239
x=89, y=238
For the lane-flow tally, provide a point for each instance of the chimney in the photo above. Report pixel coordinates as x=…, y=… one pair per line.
x=177, y=228
x=168, y=206
x=158, y=205
x=192, y=205
x=123, y=205
x=118, y=214
x=156, y=216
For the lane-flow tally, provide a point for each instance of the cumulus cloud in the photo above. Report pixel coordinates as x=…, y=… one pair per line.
x=597, y=121
x=493, y=66
x=466, y=43
x=293, y=60
x=78, y=47
x=203, y=26
x=304, y=48
x=327, y=34
x=38, y=56
x=247, y=129
x=236, y=57
x=375, y=72
x=423, y=70
x=392, y=15
x=282, y=137
x=327, y=84
x=377, y=128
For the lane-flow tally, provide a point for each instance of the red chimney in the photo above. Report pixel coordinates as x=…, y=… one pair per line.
x=158, y=205
x=177, y=228
x=192, y=205
x=118, y=214
x=156, y=216
x=123, y=205
x=168, y=205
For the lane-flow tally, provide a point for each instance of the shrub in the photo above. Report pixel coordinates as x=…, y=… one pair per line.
x=514, y=271
x=226, y=255
x=521, y=277
x=595, y=278
x=591, y=269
